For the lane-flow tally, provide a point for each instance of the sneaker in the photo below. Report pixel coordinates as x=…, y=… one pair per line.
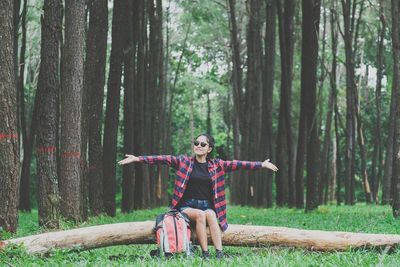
x=220, y=254
x=206, y=254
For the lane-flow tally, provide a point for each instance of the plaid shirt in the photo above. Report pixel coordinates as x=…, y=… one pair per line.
x=216, y=168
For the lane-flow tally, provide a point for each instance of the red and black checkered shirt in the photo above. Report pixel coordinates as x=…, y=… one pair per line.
x=216, y=168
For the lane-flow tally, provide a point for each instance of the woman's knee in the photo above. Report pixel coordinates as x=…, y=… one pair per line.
x=210, y=216
x=200, y=217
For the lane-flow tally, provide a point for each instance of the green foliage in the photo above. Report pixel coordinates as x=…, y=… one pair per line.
x=359, y=218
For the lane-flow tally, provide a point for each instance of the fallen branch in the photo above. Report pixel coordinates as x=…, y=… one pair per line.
x=236, y=235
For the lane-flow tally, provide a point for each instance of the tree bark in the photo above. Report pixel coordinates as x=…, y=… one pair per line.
x=350, y=35
x=284, y=153
x=389, y=155
x=128, y=172
x=251, y=134
x=396, y=89
x=96, y=47
x=120, y=19
x=361, y=143
x=27, y=137
x=71, y=109
x=237, y=73
x=333, y=85
x=268, y=88
x=311, y=12
x=48, y=116
x=9, y=146
x=324, y=171
x=142, y=185
x=163, y=172
x=236, y=235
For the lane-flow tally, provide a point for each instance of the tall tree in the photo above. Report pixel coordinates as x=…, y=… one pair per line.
x=95, y=68
x=27, y=136
x=129, y=114
x=140, y=171
x=333, y=87
x=396, y=89
x=284, y=143
x=163, y=174
x=9, y=147
x=324, y=171
x=350, y=36
x=71, y=109
x=377, y=153
x=48, y=115
x=388, y=170
x=268, y=87
x=309, y=57
x=237, y=74
x=120, y=20
x=251, y=133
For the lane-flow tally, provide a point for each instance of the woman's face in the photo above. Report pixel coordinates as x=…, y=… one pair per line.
x=198, y=149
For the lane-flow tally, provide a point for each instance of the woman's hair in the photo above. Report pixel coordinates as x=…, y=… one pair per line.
x=211, y=142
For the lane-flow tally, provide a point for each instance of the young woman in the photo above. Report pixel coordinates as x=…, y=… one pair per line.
x=199, y=188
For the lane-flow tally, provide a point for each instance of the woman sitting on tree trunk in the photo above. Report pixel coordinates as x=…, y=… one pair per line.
x=199, y=188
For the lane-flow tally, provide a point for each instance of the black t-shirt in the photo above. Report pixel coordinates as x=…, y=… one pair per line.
x=199, y=185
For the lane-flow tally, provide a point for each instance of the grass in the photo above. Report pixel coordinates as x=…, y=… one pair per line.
x=359, y=218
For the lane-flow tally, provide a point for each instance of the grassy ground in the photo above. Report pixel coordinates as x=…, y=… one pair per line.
x=359, y=218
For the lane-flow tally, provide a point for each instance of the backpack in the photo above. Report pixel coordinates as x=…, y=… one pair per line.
x=173, y=233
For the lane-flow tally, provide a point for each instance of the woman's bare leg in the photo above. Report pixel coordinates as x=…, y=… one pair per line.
x=212, y=222
x=199, y=217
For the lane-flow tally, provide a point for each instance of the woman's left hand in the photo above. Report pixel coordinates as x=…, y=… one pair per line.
x=269, y=165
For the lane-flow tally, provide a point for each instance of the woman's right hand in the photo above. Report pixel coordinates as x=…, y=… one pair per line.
x=128, y=159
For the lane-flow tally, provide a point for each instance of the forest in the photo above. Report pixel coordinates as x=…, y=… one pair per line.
x=311, y=85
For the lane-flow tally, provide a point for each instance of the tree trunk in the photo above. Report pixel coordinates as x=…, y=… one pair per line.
x=71, y=108
x=9, y=147
x=251, y=136
x=237, y=73
x=376, y=177
x=389, y=155
x=142, y=184
x=309, y=58
x=84, y=137
x=236, y=235
x=396, y=90
x=333, y=86
x=96, y=47
x=284, y=143
x=128, y=172
x=324, y=170
x=268, y=87
x=334, y=173
x=120, y=19
x=27, y=137
x=48, y=116
x=163, y=171
x=364, y=174
x=350, y=32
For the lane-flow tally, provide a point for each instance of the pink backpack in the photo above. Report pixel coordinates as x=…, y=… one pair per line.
x=173, y=233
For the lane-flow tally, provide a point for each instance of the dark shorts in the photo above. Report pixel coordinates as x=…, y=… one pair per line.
x=196, y=204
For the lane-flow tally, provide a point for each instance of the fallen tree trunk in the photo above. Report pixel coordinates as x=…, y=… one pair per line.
x=236, y=235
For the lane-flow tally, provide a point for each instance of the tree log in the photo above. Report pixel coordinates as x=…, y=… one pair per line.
x=236, y=235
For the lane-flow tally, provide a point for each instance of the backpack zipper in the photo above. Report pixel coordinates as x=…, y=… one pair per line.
x=176, y=234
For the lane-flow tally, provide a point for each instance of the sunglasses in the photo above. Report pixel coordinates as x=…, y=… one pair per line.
x=196, y=143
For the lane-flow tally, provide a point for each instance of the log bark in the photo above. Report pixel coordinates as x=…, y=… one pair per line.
x=236, y=235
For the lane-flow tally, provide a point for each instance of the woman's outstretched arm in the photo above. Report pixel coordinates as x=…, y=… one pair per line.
x=163, y=159
x=250, y=165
